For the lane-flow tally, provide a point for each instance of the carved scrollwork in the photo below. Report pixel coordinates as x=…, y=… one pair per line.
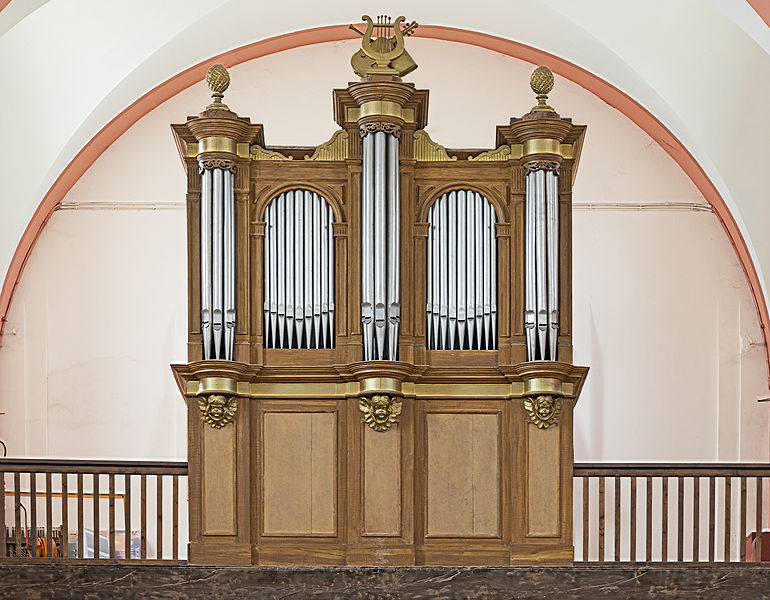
x=543, y=410
x=501, y=153
x=218, y=410
x=391, y=128
x=380, y=411
x=216, y=163
x=257, y=152
x=541, y=165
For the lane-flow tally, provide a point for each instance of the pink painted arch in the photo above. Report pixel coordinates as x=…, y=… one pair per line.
x=594, y=84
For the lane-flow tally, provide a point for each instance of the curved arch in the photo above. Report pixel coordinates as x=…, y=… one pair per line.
x=490, y=195
x=619, y=100
x=271, y=193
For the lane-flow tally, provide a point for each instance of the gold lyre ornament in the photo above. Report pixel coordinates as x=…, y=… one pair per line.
x=541, y=83
x=543, y=410
x=380, y=53
x=380, y=411
x=218, y=410
x=218, y=80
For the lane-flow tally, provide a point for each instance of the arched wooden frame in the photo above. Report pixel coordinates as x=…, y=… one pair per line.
x=266, y=196
x=498, y=203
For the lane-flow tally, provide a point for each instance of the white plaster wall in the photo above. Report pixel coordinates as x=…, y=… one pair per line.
x=663, y=313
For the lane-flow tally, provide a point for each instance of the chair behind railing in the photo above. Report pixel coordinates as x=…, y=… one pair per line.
x=135, y=509
x=669, y=512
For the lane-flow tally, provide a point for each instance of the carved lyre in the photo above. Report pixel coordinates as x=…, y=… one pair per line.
x=381, y=54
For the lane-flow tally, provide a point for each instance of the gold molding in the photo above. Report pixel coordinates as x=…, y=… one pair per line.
x=218, y=410
x=208, y=385
x=547, y=146
x=543, y=410
x=380, y=108
x=501, y=153
x=380, y=411
x=257, y=152
x=380, y=384
x=425, y=149
x=335, y=149
x=543, y=385
x=216, y=143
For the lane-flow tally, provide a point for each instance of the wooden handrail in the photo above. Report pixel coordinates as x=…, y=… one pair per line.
x=57, y=465
x=671, y=469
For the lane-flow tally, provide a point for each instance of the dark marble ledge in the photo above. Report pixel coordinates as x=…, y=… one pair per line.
x=626, y=581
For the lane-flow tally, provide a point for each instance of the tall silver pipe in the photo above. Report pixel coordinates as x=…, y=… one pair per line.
x=493, y=275
x=394, y=255
x=380, y=259
x=530, y=300
x=367, y=246
x=552, y=211
x=317, y=276
x=229, y=283
x=329, y=219
x=479, y=270
x=429, y=281
x=270, y=277
x=299, y=267
x=443, y=272
x=435, y=272
x=461, y=269
x=217, y=263
x=206, y=290
x=470, y=265
x=452, y=268
x=280, y=267
x=308, y=274
x=487, y=339
x=290, y=249
x=540, y=265
x=324, y=275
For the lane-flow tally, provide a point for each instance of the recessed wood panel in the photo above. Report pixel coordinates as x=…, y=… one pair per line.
x=219, y=480
x=382, y=482
x=463, y=475
x=299, y=460
x=543, y=481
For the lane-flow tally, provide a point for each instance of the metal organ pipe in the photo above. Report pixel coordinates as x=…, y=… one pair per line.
x=541, y=316
x=462, y=266
x=380, y=270
x=299, y=272
x=217, y=235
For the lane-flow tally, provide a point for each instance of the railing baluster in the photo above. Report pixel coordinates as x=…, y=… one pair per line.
x=17, y=510
x=65, y=524
x=696, y=519
x=601, y=519
x=758, y=522
x=648, y=521
x=617, y=518
x=32, y=535
x=586, y=517
x=97, y=521
x=81, y=528
x=633, y=519
x=742, y=524
x=680, y=518
x=175, y=517
x=159, y=511
x=664, y=517
x=143, y=518
x=127, y=514
x=3, y=552
x=728, y=516
x=48, y=517
x=712, y=514
x=111, y=479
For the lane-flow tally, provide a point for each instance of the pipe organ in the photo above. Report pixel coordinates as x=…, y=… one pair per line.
x=380, y=332
x=298, y=272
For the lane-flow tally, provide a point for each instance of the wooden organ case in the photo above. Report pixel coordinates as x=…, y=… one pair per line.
x=373, y=324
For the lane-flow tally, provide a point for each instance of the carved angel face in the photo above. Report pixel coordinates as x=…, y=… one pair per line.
x=543, y=410
x=544, y=406
x=380, y=411
x=218, y=410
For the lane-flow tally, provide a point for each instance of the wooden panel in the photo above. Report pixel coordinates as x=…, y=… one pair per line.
x=299, y=453
x=463, y=496
x=219, y=480
x=543, y=450
x=382, y=482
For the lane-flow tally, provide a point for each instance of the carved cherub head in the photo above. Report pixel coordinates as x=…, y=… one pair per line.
x=543, y=410
x=380, y=411
x=218, y=410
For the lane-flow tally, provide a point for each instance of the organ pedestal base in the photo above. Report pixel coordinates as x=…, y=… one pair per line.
x=379, y=463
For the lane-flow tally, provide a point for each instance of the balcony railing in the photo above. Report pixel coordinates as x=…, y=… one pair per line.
x=670, y=512
x=93, y=509
x=100, y=510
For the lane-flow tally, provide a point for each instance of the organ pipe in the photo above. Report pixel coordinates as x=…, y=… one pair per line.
x=299, y=272
x=541, y=316
x=462, y=262
x=380, y=256
x=217, y=260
